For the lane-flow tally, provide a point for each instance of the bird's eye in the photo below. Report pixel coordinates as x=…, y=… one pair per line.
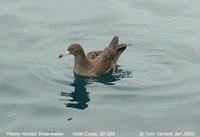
x=73, y=49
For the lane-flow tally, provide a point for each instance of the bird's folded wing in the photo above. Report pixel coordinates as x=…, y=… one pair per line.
x=104, y=59
x=93, y=54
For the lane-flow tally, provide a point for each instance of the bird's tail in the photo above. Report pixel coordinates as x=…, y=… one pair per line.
x=120, y=49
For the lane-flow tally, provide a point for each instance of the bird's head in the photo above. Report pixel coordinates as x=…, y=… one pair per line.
x=73, y=49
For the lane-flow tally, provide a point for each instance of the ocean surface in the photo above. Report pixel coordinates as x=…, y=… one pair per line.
x=157, y=88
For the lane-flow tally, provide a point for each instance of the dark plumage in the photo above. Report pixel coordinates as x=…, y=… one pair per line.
x=95, y=63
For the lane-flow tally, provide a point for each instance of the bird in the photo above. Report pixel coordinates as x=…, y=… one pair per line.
x=95, y=63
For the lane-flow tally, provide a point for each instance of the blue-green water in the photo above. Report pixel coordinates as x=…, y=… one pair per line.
x=38, y=91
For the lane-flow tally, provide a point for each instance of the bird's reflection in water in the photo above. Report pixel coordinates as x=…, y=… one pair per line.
x=80, y=96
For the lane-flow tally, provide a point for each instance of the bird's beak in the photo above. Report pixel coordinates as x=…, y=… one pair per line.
x=65, y=53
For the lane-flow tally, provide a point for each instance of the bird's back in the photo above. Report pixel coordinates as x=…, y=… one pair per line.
x=102, y=61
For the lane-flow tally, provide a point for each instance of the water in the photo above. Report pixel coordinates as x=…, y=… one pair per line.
x=38, y=91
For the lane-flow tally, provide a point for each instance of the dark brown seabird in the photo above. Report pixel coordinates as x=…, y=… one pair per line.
x=95, y=63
